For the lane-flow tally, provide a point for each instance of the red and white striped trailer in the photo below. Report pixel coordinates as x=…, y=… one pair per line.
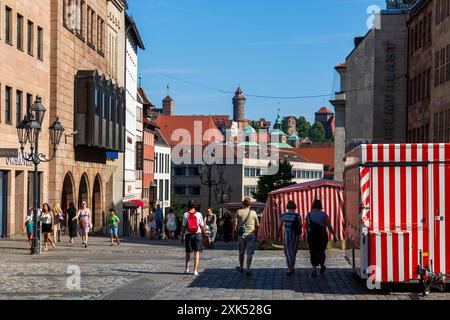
x=398, y=212
x=330, y=192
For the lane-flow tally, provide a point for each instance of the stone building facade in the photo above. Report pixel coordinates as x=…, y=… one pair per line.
x=88, y=97
x=25, y=74
x=429, y=72
x=376, y=84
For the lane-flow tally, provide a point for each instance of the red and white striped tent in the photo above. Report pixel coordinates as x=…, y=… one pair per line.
x=404, y=205
x=330, y=192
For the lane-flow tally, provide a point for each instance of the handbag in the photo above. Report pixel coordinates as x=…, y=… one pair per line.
x=241, y=230
x=82, y=223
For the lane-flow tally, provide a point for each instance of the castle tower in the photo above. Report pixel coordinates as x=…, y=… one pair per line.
x=239, y=105
x=168, y=106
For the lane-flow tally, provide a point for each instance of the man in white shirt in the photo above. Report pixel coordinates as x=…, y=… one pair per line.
x=192, y=228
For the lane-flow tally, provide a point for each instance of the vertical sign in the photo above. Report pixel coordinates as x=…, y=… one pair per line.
x=139, y=155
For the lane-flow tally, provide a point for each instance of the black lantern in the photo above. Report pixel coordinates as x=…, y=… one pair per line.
x=22, y=131
x=33, y=130
x=39, y=110
x=56, y=132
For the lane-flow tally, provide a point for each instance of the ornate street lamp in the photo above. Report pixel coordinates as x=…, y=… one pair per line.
x=208, y=180
x=28, y=131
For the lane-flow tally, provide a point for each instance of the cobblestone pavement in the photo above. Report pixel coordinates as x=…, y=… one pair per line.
x=139, y=270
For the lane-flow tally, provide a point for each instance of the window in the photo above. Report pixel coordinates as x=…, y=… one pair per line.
x=194, y=191
x=79, y=11
x=442, y=126
x=100, y=34
x=8, y=25
x=249, y=191
x=19, y=32
x=442, y=10
x=166, y=190
x=30, y=37
x=161, y=190
x=19, y=103
x=156, y=163
x=8, y=96
x=442, y=66
x=29, y=102
x=179, y=190
x=40, y=43
x=90, y=26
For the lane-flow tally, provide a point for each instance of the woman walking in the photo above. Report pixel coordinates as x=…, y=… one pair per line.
x=171, y=224
x=58, y=219
x=72, y=222
x=84, y=218
x=48, y=222
x=211, y=222
x=317, y=224
x=292, y=224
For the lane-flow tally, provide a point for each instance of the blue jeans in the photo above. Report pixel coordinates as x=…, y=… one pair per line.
x=114, y=231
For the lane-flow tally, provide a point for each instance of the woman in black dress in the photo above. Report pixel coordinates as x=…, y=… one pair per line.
x=72, y=222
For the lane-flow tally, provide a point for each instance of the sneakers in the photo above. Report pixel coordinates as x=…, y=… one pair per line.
x=239, y=269
x=186, y=271
x=196, y=273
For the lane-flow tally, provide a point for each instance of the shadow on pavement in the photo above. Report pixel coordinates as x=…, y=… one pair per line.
x=334, y=281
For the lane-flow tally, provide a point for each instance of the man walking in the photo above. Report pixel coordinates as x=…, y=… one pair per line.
x=159, y=221
x=246, y=225
x=192, y=228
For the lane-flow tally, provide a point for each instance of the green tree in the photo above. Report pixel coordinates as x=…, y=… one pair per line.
x=269, y=183
x=303, y=127
x=317, y=132
x=178, y=207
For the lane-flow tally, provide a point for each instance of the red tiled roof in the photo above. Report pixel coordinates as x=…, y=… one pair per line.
x=168, y=124
x=341, y=66
x=324, y=110
x=322, y=153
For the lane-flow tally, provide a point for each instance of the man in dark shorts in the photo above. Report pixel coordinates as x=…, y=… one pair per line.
x=193, y=226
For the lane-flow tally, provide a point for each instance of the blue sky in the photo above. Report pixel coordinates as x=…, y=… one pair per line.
x=277, y=48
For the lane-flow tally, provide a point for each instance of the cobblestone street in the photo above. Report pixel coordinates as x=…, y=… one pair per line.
x=138, y=270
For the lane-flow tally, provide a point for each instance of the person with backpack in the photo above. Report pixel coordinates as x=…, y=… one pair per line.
x=246, y=225
x=317, y=223
x=192, y=228
x=292, y=225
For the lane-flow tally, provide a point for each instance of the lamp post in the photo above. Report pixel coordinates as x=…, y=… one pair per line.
x=207, y=179
x=28, y=131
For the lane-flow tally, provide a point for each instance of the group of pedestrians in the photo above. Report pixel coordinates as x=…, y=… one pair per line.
x=245, y=226
x=78, y=222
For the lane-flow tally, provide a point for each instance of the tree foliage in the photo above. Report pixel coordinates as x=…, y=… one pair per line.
x=303, y=127
x=317, y=132
x=269, y=183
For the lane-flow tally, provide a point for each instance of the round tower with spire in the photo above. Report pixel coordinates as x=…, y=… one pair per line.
x=239, y=105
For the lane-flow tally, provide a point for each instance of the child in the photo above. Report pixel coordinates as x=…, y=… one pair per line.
x=153, y=227
x=29, y=229
x=113, y=222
